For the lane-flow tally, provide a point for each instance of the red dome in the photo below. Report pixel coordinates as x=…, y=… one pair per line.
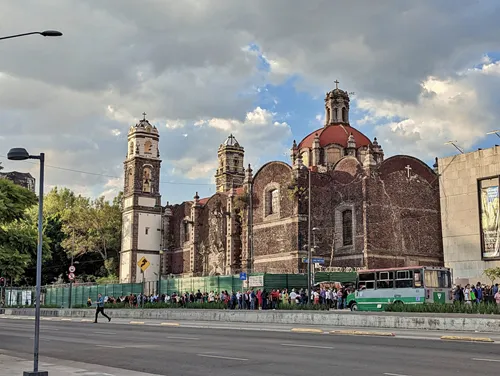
x=335, y=134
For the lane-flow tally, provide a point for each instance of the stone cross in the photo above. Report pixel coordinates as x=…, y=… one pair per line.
x=144, y=114
x=336, y=84
x=408, y=169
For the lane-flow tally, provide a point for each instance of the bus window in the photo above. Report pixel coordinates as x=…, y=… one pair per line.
x=404, y=279
x=367, y=280
x=385, y=280
x=418, y=278
x=437, y=278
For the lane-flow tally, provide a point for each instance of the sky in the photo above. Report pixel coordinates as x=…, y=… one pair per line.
x=422, y=73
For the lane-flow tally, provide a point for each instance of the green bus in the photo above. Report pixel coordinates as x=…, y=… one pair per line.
x=407, y=285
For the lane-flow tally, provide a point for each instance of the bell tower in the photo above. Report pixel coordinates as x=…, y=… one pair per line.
x=230, y=173
x=141, y=212
x=336, y=106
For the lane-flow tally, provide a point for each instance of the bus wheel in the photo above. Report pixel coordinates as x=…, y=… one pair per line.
x=398, y=304
x=354, y=307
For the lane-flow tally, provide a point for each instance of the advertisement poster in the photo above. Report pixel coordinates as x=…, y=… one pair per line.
x=489, y=221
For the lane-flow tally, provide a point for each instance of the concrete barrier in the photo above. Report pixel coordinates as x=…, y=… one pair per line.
x=391, y=320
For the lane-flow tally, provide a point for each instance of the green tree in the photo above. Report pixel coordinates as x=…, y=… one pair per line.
x=94, y=227
x=492, y=274
x=17, y=237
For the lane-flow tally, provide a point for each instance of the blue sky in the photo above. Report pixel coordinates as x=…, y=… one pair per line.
x=423, y=73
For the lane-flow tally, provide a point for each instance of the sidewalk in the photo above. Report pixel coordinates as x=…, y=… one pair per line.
x=15, y=366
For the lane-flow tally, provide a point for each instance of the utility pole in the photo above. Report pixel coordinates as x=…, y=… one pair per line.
x=309, y=248
x=72, y=255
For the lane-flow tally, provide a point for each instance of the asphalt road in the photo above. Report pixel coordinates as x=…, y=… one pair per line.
x=170, y=350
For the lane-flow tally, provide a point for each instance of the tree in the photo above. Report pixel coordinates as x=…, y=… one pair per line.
x=492, y=274
x=94, y=227
x=17, y=235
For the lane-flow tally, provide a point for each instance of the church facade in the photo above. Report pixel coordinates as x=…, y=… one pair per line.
x=366, y=211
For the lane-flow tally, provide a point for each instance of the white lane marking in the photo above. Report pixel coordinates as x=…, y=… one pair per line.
x=311, y=346
x=486, y=360
x=104, y=333
x=220, y=357
x=394, y=374
x=190, y=338
x=111, y=347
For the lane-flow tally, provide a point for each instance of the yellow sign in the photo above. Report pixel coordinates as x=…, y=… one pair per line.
x=143, y=263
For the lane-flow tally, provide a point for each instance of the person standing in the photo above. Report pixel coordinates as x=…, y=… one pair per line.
x=100, y=308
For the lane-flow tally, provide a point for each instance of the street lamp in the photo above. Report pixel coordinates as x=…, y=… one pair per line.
x=46, y=33
x=20, y=154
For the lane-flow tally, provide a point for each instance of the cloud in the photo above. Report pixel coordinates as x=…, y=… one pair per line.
x=259, y=133
x=458, y=108
x=199, y=69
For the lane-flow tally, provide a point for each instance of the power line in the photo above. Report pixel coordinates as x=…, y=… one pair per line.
x=105, y=175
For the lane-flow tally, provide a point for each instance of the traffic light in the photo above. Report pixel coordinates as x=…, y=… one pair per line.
x=3, y=282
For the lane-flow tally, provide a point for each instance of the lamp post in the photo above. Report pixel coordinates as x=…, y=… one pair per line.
x=46, y=33
x=159, y=273
x=20, y=154
x=309, y=249
x=315, y=247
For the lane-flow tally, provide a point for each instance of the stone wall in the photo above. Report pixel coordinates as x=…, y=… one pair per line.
x=403, y=220
x=460, y=217
x=274, y=234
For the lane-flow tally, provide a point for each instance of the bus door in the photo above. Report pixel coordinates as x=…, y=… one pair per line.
x=437, y=285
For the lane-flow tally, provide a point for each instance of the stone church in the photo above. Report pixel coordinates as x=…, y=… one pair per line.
x=367, y=211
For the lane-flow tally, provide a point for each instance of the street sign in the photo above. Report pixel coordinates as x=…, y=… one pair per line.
x=316, y=260
x=143, y=264
x=71, y=276
x=243, y=276
x=72, y=269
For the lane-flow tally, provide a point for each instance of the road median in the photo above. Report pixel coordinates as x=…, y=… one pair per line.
x=362, y=333
x=297, y=319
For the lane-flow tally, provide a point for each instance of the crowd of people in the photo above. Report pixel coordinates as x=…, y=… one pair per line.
x=470, y=294
x=251, y=299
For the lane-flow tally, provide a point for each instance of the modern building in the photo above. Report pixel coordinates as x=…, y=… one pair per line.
x=469, y=196
x=24, y=179
x=366, y=211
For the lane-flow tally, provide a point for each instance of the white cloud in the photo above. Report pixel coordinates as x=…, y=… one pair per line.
x=457, y=108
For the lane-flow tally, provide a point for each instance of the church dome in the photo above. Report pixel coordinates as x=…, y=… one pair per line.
x=335, y=134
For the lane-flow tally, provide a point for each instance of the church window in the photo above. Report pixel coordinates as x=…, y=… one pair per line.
x=146, y=180
x=186, y=231
x=344, y=114
x=148, y=147
x=130, y=183
x=347, y=227
x=146, y=230
x=273, y=199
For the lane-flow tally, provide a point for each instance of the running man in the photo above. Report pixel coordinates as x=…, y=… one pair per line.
x=100, y=308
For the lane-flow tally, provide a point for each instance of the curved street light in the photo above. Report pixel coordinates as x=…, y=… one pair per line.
x=46, y=33
x=21, y=154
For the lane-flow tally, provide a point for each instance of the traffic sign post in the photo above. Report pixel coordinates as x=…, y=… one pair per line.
x=72, y=269
x=71, y=276
x=243, y=276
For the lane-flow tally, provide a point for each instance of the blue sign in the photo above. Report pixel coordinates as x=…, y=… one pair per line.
x=243, y=276
x=316, y=260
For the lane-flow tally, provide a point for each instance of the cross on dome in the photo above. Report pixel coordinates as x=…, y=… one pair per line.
x=231, y=141
x=336, y=84
x=144, y=114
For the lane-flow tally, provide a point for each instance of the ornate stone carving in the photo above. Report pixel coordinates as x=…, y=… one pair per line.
x=214, y=254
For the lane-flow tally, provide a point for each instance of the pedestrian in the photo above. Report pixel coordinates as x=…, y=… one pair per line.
x=100, y=308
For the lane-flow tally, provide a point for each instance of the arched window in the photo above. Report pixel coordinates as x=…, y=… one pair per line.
x=347, y=227
x=146, y=180
x=148, y=147
x=131, y=149
x=130, y=181
x=344, y=115
x=273, y=198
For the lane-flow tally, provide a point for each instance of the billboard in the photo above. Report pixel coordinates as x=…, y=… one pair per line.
x=489, y=217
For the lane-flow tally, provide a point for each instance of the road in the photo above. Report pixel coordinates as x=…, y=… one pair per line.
x=188, y=351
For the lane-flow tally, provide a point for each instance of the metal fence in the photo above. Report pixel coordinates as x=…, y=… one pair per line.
x=61, y=295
